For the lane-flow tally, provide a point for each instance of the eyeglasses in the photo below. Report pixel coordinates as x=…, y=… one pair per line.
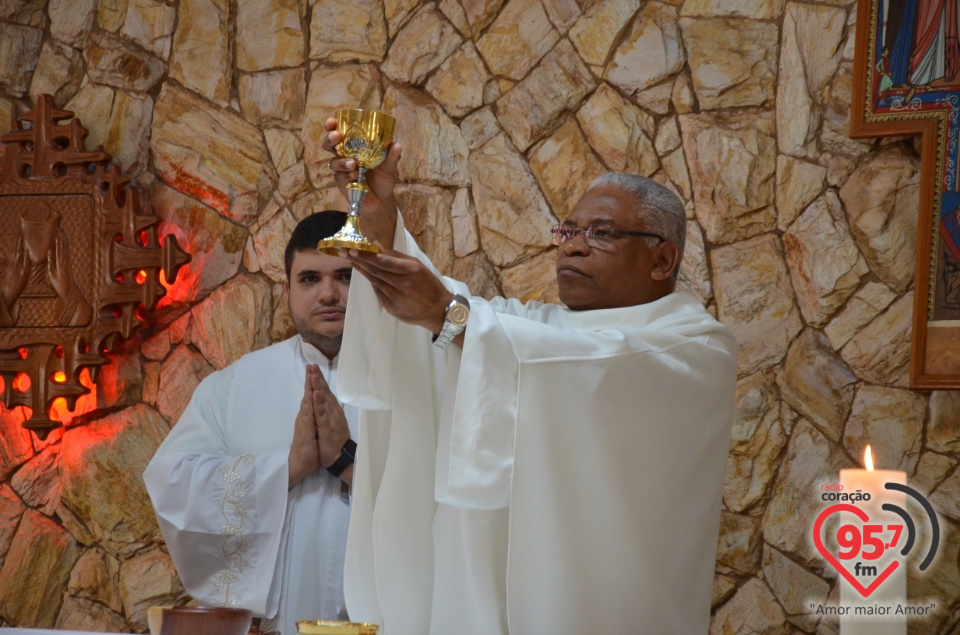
x=599, y=237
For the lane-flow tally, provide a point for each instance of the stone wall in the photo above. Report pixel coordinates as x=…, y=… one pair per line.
x=800, y=239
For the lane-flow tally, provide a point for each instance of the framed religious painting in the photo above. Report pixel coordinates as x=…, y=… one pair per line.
x=907, y=82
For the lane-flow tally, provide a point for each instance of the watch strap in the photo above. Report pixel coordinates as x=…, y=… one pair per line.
x=348, y=454
x=450, y=330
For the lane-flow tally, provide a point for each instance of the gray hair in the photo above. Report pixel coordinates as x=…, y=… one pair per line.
x=660, y=209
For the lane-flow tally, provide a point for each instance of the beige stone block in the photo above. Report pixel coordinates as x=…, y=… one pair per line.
x=111, y=14
x=345, y=32
x=865, y=305
x=180, y=374
x=126, y=441
x=732, y=161
x=694, y=270
x=215, y=245
x=148, y=579
x=26, y=12
x=202, y=57
x=835, y=126
x=734, y=61
x=113, y=62
x=880, y=352
x=533, y=280
x=457, y=16
x=36, y=482
x=19, y=51
x=667, y=138
x=651, y=52
x=210, y=154
x=675, y=166
x=71, y=20
x=723, y=588
x=463, y=217
x=35, y=570
x=817, y=383
x=434, y=151
x=798, y=184
x=396, y=12
x=881, y=198
x=932, y=469
x=759, y=9
x=562, y=13
x=757, y=439
x=150, y=23
x=809, y=54
x=89, y=105
x=294, y=182
x=795, y=588
x=596, y=32
x=459, y=82
x=269, y=34
x=480, y=13
x=427, y=216
x=285, y=147
x=94, y=577
x=342, y=86
x=514, y=217
x=564, y=165
x=942, y=578
x=270, y=241
x=755, y=299
x=518, y=39
x=479, y=127
x=681, y=95
x=423, y=43
x=58, y=73
x=825, y=264
x=810, y=459
x=128, y=137
x=78, y=614
x=275, y=97
x=619, y=132
x=739, y=544
x=943, y=430
x=478, y=273
x=234, y=320
x=890, y=420
x=538, y=104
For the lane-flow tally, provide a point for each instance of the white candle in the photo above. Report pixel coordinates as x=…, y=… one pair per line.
x=875, y=613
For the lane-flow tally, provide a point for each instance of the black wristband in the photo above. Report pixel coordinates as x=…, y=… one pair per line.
x=348, y=455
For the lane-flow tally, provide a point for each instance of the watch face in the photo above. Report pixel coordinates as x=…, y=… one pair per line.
x=458, y=314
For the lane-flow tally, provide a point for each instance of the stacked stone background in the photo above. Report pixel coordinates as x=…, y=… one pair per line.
x=801, y=239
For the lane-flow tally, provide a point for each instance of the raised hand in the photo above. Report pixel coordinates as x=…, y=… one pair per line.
x=331, y=422
x=406, y=288
x=379, y=209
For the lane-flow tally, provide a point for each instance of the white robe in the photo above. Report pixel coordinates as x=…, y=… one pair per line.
x=237, y=535
x=561, y=474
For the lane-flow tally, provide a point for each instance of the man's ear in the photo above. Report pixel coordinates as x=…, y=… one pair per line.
x=666, y=260
x=286, y=286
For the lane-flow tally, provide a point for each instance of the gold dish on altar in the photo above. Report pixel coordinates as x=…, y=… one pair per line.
x=327, y=627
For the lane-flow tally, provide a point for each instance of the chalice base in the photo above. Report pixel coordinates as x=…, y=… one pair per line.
x=349, y=237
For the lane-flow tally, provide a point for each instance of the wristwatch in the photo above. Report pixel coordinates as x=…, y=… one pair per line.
x=348, y=455
x=454, y=322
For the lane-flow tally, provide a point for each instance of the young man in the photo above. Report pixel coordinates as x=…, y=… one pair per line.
x=562, y=465
x=251, y=486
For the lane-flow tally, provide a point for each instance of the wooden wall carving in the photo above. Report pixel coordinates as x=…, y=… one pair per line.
x=79, y=261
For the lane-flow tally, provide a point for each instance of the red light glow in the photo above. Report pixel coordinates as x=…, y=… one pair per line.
x=58, y=411
x=141, y=276
x=21, y=383
x=59, y=377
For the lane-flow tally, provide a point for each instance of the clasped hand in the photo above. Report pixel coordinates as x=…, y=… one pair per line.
x=320, y=429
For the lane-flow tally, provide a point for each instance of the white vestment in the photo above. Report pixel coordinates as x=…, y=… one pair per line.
x=237, y=535
x=560, y=474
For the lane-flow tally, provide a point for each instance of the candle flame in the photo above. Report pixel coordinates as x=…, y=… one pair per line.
x=868, y=459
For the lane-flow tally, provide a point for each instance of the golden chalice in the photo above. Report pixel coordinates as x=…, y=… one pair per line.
x=365, y=137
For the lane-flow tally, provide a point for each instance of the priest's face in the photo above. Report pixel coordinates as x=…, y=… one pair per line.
x=317, y=297
x=611, y=270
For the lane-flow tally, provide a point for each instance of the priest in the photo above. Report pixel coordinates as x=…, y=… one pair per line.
x=536, y=468
x=251, y=486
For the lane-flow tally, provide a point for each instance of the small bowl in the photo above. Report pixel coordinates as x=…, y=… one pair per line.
x=191, y=620
x=326, y=627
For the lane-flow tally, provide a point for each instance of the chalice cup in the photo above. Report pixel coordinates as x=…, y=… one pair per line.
x=365, y=137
